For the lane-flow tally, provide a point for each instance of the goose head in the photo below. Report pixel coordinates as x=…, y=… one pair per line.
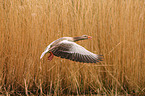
x=83, y=37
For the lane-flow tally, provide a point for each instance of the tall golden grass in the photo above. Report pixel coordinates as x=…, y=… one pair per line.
x=118, y=31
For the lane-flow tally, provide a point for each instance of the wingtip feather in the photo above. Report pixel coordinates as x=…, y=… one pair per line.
x=100, y=58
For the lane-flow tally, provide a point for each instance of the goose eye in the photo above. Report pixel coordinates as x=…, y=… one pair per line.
x=85, y=36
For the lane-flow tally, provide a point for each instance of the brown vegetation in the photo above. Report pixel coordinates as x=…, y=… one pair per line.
x=118, y=31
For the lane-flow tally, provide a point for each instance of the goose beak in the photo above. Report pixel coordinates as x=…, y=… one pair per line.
x=89, y=37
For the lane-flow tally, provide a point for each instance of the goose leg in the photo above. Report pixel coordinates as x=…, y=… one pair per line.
x=50, y=57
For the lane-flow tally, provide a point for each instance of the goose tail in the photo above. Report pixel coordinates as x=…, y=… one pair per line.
x=43, y=54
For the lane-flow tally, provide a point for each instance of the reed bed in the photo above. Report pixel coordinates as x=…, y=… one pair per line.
x=28, y=26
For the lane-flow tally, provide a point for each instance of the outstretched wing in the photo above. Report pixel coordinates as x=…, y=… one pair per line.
x=71, y=50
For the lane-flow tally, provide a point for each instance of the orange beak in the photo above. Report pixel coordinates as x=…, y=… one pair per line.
x=89, y=37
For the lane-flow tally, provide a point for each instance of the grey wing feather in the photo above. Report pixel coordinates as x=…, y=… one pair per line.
x=71, y=50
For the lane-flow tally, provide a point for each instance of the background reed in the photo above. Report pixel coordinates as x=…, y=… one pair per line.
x=117, y=28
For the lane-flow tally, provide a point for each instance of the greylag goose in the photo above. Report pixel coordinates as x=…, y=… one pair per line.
x=66, y=47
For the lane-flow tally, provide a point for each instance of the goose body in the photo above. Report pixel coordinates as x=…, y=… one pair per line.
x=66, y=47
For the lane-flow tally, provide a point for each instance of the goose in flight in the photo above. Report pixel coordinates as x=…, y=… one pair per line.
x=66, y=47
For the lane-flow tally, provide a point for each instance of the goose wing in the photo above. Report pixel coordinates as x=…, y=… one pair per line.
x=71, y=50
